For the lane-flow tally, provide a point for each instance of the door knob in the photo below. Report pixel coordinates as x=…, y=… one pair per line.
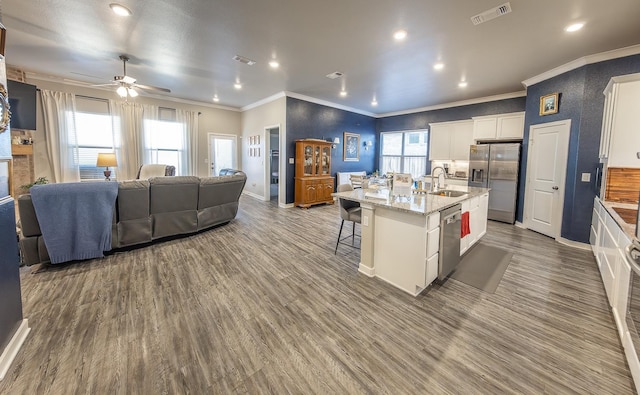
x=555, y=188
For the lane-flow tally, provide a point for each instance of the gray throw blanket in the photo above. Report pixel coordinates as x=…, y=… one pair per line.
x=75, y=218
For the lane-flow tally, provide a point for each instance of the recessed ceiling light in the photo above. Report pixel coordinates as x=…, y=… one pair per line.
x=216, y=98
x=237, y=85
x=400, y=35
x=438, y=66
x=120, y=9
x=274, y=64
x=462, y=84
x=343, y=93
x=374, y=102
x=574, y=28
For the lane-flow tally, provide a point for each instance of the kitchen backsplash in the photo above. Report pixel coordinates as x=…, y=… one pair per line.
x=623, y=185
x=455, y=166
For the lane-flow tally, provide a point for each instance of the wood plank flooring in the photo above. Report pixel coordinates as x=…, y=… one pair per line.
x=262, y=305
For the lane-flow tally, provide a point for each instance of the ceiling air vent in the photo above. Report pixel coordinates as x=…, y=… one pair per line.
x=244, y=60
x=491, y=14
x=334, y=75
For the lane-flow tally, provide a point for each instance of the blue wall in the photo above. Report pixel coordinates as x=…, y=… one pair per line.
x=581, y=101
x=421, y=120
x=310, y=120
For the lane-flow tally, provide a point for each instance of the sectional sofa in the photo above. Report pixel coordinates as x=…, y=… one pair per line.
x=148, y=210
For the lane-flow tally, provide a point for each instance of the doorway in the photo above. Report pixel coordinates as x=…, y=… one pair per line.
x=546, y=172
x=222, y=152
x=272, y=167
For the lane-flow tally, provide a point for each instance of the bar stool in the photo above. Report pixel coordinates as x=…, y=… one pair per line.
x=349, y=211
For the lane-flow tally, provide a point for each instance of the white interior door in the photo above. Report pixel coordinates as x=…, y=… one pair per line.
x=222, y=152
x=546, y=169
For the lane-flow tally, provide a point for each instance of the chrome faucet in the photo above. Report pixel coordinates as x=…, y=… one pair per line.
x=435, y=186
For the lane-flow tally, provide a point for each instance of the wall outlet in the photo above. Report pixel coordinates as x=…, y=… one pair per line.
x=291, y=161
x=586, y=177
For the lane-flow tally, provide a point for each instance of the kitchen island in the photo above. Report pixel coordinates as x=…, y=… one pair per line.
x=401, y=235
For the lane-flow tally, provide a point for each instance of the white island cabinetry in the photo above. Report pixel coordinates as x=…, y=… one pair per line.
x=477, y=208
x=401, y=236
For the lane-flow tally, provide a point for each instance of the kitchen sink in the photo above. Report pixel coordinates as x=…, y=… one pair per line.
x=448, y=193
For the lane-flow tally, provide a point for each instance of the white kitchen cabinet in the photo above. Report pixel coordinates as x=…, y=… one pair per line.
x=620, y=134
x=450, y=140
x=608, y=242
x=499, y=127
x=477, y=208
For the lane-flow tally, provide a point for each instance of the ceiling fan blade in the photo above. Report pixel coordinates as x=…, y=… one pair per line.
x=152, y=88
x=107, y=84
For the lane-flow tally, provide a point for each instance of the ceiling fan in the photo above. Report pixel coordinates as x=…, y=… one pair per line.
x=127, y=85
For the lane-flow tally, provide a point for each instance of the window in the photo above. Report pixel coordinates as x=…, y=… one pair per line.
x=404, y=152
x=94, y=134
x=165, y=141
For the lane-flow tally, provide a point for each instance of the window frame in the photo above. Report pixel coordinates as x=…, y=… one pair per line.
x=405, y=136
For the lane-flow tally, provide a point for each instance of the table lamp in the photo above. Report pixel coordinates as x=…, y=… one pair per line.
x=107, y=159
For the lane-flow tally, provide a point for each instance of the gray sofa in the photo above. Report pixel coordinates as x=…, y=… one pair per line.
x=147, y=210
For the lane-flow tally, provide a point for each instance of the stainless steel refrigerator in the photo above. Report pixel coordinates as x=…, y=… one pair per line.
x=496, y=166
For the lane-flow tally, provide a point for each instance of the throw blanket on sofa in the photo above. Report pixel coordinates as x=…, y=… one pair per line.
x=75, y=218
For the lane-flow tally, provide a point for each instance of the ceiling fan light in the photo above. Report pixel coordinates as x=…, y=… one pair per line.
x=132, y=92
x=119, y=9
x=121, y=91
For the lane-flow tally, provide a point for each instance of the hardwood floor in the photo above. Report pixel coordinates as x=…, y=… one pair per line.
x=262, y=305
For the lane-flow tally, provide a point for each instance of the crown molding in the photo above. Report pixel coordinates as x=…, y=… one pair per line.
x=264, y=101
x=65, y=81
x=583, y=61
x=329, y=104
x=478, y=100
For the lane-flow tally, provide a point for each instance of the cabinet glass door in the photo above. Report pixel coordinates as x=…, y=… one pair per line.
x=326, y=160
x=317, y=160
x=308, y=160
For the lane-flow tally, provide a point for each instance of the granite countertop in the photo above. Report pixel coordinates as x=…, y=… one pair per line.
x=629, y=229
x=423, y=204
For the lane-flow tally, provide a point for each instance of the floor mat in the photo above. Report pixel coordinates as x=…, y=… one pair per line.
x=483, y=267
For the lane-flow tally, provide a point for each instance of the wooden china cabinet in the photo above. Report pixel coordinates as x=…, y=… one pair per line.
x=313, y=181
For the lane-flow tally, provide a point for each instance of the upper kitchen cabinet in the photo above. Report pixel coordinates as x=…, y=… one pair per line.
x=499, y=127
x=620, y=136
x=450, y=140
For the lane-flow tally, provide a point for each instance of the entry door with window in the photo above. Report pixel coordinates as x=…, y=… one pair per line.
x=222, y=152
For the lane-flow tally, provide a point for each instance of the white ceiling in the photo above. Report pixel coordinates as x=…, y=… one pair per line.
x=188, y=45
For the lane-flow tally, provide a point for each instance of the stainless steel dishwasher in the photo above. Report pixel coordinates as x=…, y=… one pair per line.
x=450, y=220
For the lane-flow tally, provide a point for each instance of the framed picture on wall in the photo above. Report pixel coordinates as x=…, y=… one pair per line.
x=351, y=147
x=549, y=104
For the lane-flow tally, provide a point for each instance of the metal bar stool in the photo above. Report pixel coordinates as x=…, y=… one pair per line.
x=349, y=211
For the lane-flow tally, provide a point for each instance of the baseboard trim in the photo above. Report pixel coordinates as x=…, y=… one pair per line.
x=254, y=195
x=9, y=353
x=366, y=270
x=286, y=205
x=574, y=244
x=520, y=225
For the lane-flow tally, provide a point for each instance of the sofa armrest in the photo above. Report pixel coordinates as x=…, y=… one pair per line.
x=28, y=219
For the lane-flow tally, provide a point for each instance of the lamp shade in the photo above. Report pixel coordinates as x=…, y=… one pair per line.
x=107, y=159
x=336, y=140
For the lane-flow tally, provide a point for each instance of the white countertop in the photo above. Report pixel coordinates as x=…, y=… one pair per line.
x=423, y=204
